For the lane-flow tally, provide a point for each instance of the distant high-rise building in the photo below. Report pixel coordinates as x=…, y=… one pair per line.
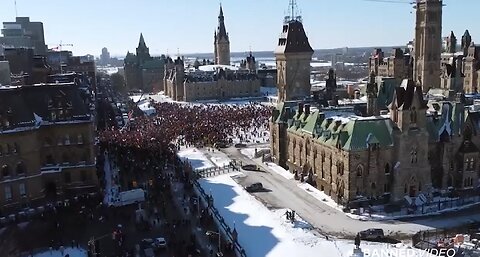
x=221, y=42
x=428, y=43
x=105, y=57
x=23, y=33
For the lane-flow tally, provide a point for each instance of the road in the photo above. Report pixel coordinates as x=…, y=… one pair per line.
x=283, y=193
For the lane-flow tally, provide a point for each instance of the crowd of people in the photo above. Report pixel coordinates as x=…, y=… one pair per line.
x=198, y=125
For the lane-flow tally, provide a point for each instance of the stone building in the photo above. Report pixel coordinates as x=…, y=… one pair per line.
x=293, y=56
x=402, y=147
x=209, y=82
x=46, y=142
x=428, y=43
x=143, y=71
x=460, y=69
x=221, y=42
x=398, y=65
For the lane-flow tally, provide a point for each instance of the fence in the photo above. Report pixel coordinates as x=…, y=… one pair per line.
x=428, y=239
x=230, y=234
x=433, y=207
x=209, y=172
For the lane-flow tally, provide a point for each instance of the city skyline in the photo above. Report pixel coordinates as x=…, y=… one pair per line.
x=118, y=27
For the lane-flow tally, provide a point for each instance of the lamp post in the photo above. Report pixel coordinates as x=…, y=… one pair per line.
x=208, y=233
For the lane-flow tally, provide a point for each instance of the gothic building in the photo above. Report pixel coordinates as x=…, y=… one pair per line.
x=428, y=43
x=143, y=71
x=404, y=147
x=293, y=56
x=460, y=69
x=398, y=65
x=210, y=82
x=221, y=42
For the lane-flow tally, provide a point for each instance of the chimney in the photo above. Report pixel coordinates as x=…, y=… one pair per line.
x=300, y=108
x=307, y=110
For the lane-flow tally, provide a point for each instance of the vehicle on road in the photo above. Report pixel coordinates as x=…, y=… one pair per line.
x=373, y=233
x=255, y=187
x=155, y=243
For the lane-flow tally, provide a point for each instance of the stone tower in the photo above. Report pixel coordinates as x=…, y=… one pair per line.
x=466, y=41
x=293, y=56
x=179, y=79
x=372, y=93
x=221, y=42
x=452, y=43
x=428, y=43
x=143, y=53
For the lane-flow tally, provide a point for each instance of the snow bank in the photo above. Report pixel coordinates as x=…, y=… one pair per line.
x=265, y=233
x=219, y=158
x=279, y=170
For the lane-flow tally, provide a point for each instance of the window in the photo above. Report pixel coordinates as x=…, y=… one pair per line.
x=405, y=189
x=67, y=139
x=5, y=171
x=47, y=142
x=359, y=171
x=20, y=168
x=22, y=190
x=413, y=115
x=16, y=149
x=49, y=160
x=68, y=177
x=83, y=175
x=1, y=150
x=387, y=168
x=340, y=168
x=8, y=193
x=65, y=158
x=80, y=139
x=419, y=186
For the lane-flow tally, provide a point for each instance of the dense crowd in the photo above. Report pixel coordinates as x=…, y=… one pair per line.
x=199, y=125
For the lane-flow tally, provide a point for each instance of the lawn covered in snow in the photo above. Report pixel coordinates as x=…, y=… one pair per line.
x=266, y=233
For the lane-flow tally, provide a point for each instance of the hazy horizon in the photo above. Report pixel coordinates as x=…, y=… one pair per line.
x=187, y=26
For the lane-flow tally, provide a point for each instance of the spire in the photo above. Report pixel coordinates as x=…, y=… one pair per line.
x=221, y=30
x=452, y=43
x=141, y=42
x=293, y=13
x=466, y=40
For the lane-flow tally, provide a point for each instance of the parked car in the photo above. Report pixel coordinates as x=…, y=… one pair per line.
x=373, y=233
x=255, y=187
x=155, y=243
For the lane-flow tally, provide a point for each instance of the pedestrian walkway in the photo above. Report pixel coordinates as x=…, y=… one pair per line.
x=181, y=203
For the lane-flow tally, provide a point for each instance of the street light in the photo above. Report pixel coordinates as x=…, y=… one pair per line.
x=210, y=233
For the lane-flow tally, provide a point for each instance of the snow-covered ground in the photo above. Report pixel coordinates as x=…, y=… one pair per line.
x=219, y=158
x=196, y=158
x=266, y=233
x=111, y=187
x=250, y=152
x=71, y=252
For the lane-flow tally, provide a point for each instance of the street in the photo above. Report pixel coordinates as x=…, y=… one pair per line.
x=283, y=193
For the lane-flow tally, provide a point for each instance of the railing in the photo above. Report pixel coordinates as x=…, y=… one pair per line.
x=206, y=199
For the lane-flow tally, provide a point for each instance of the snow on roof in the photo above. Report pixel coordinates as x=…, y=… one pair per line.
x=72, y=252
x=216, y=67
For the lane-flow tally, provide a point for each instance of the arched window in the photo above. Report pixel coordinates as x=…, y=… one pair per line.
x=16, y=148
x=67, y=139
x=5, y=171
x=340, y=168
x=80, y=139
x=21, y=168
x=359, y=170
x=387, y=168
x=1, y=150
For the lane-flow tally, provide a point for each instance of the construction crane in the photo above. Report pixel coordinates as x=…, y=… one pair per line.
x=60, y=46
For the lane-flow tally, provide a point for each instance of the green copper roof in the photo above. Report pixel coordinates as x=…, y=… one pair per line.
x=363, y=132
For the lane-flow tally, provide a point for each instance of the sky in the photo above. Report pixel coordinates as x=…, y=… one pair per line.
x=187, y=26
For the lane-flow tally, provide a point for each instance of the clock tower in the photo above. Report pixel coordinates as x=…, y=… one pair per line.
x=293, y=56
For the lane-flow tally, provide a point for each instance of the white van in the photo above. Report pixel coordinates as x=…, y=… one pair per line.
x=130, y=197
